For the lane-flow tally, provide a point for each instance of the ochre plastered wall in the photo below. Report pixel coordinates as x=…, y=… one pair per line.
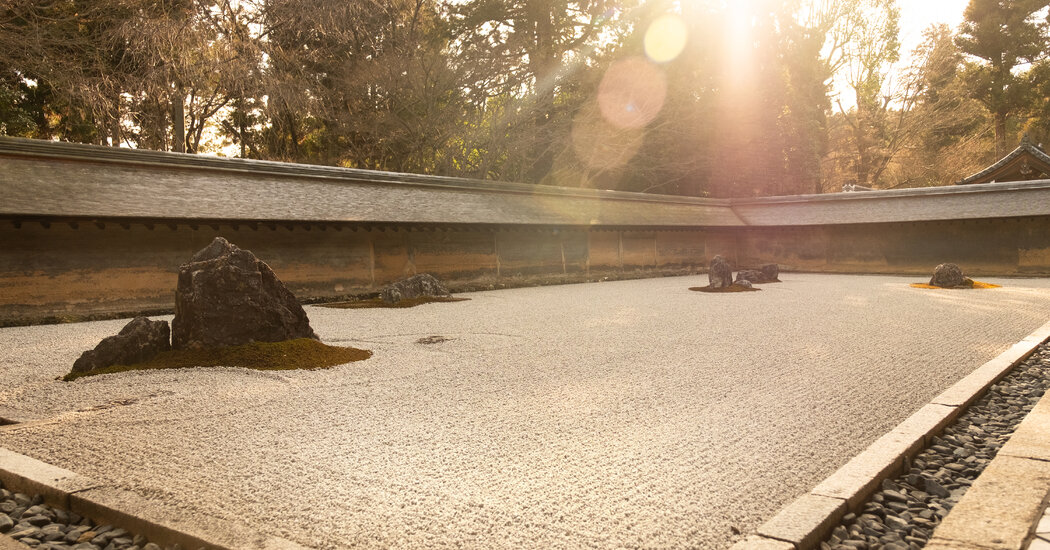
x=62, y=269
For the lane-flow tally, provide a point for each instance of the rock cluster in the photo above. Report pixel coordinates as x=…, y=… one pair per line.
x=949, y=276
x=138, y=341
x=720, y=275
x=423, y=285
x=228, y=297
x=37, y=525
x=905, y=512
x=225, y=297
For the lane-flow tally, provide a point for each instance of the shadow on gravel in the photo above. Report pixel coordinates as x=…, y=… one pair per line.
x=727, y=289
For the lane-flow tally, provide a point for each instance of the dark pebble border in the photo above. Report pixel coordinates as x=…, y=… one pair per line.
x=903, y=515
x=37, y=525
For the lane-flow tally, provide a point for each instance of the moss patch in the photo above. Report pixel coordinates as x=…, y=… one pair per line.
x=731, y=288
x=975, y=284
x=378, y=302
x=301, y=353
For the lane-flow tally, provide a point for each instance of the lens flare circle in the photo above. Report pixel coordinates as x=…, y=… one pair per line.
x=665, y=38
x=631, y=93
x=598, y=144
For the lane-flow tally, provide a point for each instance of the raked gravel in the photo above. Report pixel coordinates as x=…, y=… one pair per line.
x=618, y=414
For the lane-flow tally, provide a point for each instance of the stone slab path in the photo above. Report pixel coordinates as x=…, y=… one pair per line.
x=618, y=414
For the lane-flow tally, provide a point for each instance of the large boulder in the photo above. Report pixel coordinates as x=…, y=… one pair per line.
x=948, y=276
x=719, y=274
x=423, y=285
x=770, y=273
x=138, y=341
x=228, y=297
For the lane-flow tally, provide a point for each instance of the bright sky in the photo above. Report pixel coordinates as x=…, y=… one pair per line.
x=916, y=16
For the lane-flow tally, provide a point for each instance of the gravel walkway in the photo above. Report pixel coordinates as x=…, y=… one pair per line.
x=618, y=414
x=904, y=514
x=37, y=525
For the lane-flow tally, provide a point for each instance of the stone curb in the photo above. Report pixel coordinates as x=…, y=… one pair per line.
x=1006, y=502
x=110, y=505
x=803, y=523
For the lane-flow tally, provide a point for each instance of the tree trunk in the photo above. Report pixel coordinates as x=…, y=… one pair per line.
x=241, y=116
x=1000, y=134
x=114, y=132
x=178, y=123
x=543, y=61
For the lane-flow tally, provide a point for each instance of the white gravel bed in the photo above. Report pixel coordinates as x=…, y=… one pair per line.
x=618, y=414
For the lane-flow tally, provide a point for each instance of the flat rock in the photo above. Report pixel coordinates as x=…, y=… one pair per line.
x=138, y=341
x=423, y=285
x=752, y=276
x=228, y=297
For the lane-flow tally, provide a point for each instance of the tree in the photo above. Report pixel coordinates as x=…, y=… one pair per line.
x=1003, y=35
x=524, y=62
x=948, y=140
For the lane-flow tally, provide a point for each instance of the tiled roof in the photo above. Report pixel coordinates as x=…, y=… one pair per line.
x=93, y=181
x=987, y=200
x=1025, y=148
x=62, y=180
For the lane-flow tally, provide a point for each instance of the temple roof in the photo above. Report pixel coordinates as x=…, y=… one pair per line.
x=1027, y=162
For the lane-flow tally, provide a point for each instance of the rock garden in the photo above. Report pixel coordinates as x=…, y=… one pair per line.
x=230, y=310
x=720, y=277
x=950, y=275
x=416, y=290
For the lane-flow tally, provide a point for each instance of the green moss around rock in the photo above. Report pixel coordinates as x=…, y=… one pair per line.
x=378, y=302
x=302, y=353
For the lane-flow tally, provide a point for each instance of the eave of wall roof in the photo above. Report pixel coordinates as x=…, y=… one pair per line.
x=103, y=182
x=93, y=181
x=976, y=201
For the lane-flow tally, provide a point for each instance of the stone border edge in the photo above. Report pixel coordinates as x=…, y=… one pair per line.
x=107, y=504
x=1003, y=508
x=803, y=523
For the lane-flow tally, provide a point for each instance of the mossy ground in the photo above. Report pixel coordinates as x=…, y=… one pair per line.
x=731, y=288
x=302, y=353
x=976, y=284
x=378, y=302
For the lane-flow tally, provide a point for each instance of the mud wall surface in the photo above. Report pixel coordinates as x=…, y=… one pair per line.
x=54, y=270
x=986, y=247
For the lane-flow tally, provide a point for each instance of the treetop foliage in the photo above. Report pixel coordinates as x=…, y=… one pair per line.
x=700, y=97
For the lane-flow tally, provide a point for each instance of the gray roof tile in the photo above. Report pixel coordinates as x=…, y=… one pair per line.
x=51, y=179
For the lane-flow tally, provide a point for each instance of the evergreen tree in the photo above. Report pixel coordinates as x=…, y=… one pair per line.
x=1002, y=35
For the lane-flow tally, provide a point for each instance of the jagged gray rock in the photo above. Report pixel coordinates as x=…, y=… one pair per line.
x=752, y=276
x=719, y=275
x=227, y=297
x=138, y=341
x=770, y=272
x=947, y=276
x=416, y=286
